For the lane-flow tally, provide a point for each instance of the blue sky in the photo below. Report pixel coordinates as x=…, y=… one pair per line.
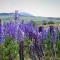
x=46, y=8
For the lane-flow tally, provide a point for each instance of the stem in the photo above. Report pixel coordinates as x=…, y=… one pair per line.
x=21, y=50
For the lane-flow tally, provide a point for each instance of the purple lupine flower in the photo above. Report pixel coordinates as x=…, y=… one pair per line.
x=30, y=35
x=21, y=43
x=22, y=27
x=51, y=29
x=12, y=30
x=29, y=29
x=26, y=30
x=41, y=28
x=53, y=34
x=16, y=15
x=30, y=26
x=32, y=52
x=33, y=33
x=6, y=29
x=45, y=33
x=53, y=37
x=35, y=38
x=16, y=29
x=20, y=35
x=21, y=50
x=39, y=37
x=9, y=29
x=1, y=32
x=40, y=43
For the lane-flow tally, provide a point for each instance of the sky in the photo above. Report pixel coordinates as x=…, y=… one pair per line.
x=45, y=8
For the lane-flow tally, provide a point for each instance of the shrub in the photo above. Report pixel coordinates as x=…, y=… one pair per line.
x=50, y=22
x=10, y=49
x=44, y=22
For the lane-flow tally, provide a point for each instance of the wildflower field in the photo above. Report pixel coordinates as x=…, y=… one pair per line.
x=29, y=41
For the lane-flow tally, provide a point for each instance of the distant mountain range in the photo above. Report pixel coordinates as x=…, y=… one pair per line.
x=25, y=14
x=30, y=15
x=21, y=14
x=4, y=14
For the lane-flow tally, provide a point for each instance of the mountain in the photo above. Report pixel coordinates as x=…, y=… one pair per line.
x=25, y=14
x=21, y=14
x=30, y=16
x=4, y=14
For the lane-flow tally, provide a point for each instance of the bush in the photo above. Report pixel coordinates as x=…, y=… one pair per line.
x=10, y=49
x=44, y=22
x=50, y=22
x=1, y=52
